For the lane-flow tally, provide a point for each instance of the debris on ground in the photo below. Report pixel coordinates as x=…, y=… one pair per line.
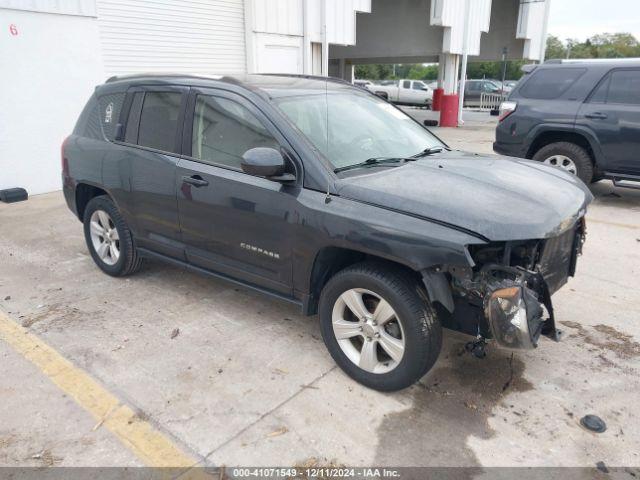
x=470, y=405
x=508, y=383
x=47, y=458
x=277, y=433
x=602, y=467
x=8, y=297
x=175, y=333
x=220, y=370
x=593, y=423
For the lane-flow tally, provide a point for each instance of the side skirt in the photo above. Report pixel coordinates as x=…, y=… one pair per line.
x=158, y=256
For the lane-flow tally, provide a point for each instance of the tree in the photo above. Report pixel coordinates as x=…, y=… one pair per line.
x=555, y=48
x=605, y=45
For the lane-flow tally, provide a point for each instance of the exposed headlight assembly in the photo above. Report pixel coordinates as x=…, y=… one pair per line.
x=515, y=316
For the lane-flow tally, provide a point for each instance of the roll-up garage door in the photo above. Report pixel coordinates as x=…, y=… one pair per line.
x=182, y=36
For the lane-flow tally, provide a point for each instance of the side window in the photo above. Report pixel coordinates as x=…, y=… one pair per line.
x=489, y=87
x=109, y=113
x=625, y=87
x=547, y=84
x=223, y=130
x=131, y=132
x=418, y=85
x=159, y=121
x=600, y=95
x=406, y=84
x=473, y=86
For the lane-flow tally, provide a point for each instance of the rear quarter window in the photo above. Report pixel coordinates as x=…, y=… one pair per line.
x=109, y=110
x=548, y=84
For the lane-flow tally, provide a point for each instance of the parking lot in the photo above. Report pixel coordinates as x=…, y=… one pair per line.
x=225, y=376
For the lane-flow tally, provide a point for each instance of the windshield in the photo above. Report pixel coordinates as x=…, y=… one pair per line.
x=350, y=127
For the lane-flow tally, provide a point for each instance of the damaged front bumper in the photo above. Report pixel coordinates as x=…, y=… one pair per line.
x=518, y=308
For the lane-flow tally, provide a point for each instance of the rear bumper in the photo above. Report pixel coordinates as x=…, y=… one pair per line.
x=509, y=149
x=69, y=191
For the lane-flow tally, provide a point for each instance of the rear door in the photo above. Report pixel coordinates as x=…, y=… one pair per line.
x=613, y=114
x=154, y=135
x=233, y=223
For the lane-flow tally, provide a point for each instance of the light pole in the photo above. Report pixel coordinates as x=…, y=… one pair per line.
x=505, y=51
x=465, y=54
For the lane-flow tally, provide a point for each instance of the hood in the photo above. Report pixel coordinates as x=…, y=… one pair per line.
x=498, y=198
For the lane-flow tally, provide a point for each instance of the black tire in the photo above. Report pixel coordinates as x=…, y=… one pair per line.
x=420, y=325
x=579, y=156
x=129, y=261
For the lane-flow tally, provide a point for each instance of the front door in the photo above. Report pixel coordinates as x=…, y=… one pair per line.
x=233, y=223
x=613, y=114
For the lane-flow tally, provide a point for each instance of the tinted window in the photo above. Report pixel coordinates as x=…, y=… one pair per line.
x=132, y=122
x=625, y=87
x=473, y=86
x=109, y=113
x=159, y=121
x=490, y=87
x=224, y=130
x=600, y=95
x=546, y=84
x=406, y=84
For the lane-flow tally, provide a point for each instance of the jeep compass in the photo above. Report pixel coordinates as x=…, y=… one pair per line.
x=322, y=194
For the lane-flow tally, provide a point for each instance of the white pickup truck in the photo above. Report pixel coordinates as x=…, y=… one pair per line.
x=404, y=92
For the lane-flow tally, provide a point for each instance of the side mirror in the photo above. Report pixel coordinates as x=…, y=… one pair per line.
x=265, y=162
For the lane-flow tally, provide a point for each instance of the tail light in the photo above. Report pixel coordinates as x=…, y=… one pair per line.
x=506, y=109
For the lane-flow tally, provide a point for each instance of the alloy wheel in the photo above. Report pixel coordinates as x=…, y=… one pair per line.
x=368, y=331
x=563, y=162
x=104, y=237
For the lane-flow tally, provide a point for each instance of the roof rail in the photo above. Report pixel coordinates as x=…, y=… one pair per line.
x=307, y=77
x=592, y=60
x=133, y=76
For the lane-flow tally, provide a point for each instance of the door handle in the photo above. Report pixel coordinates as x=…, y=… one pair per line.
x=597, y=116
x=195, y=180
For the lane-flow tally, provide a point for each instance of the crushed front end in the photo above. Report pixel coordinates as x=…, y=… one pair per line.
x=506, y=296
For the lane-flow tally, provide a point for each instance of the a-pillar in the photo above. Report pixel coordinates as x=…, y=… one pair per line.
x=449, y=100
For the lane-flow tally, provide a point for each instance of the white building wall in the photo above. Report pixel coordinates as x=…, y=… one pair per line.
x=450, y=14
x=185, y=36
x=49, y=69
x=279, y=33
x=532, y=28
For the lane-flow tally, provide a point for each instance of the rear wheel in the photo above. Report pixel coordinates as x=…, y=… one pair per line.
x=379, y=327
x=568, y=156
x=109, y=239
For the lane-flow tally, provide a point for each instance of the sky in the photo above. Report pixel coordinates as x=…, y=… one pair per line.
x=581, y=19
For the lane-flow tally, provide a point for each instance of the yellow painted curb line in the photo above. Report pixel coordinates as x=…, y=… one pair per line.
x=137, y=434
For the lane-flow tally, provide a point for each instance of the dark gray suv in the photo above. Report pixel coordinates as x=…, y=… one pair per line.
x=583, y=116
x=324, y=195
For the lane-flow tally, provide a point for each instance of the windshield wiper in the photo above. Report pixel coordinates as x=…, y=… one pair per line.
x=430, y=151
x=373, y=162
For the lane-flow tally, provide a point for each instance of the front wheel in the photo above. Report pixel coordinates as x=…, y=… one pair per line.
x=379, y=327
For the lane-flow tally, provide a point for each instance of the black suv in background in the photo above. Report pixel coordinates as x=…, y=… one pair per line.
x=327, y=196
x=583, y=116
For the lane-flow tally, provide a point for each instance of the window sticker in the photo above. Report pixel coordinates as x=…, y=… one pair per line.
x=108, y=113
